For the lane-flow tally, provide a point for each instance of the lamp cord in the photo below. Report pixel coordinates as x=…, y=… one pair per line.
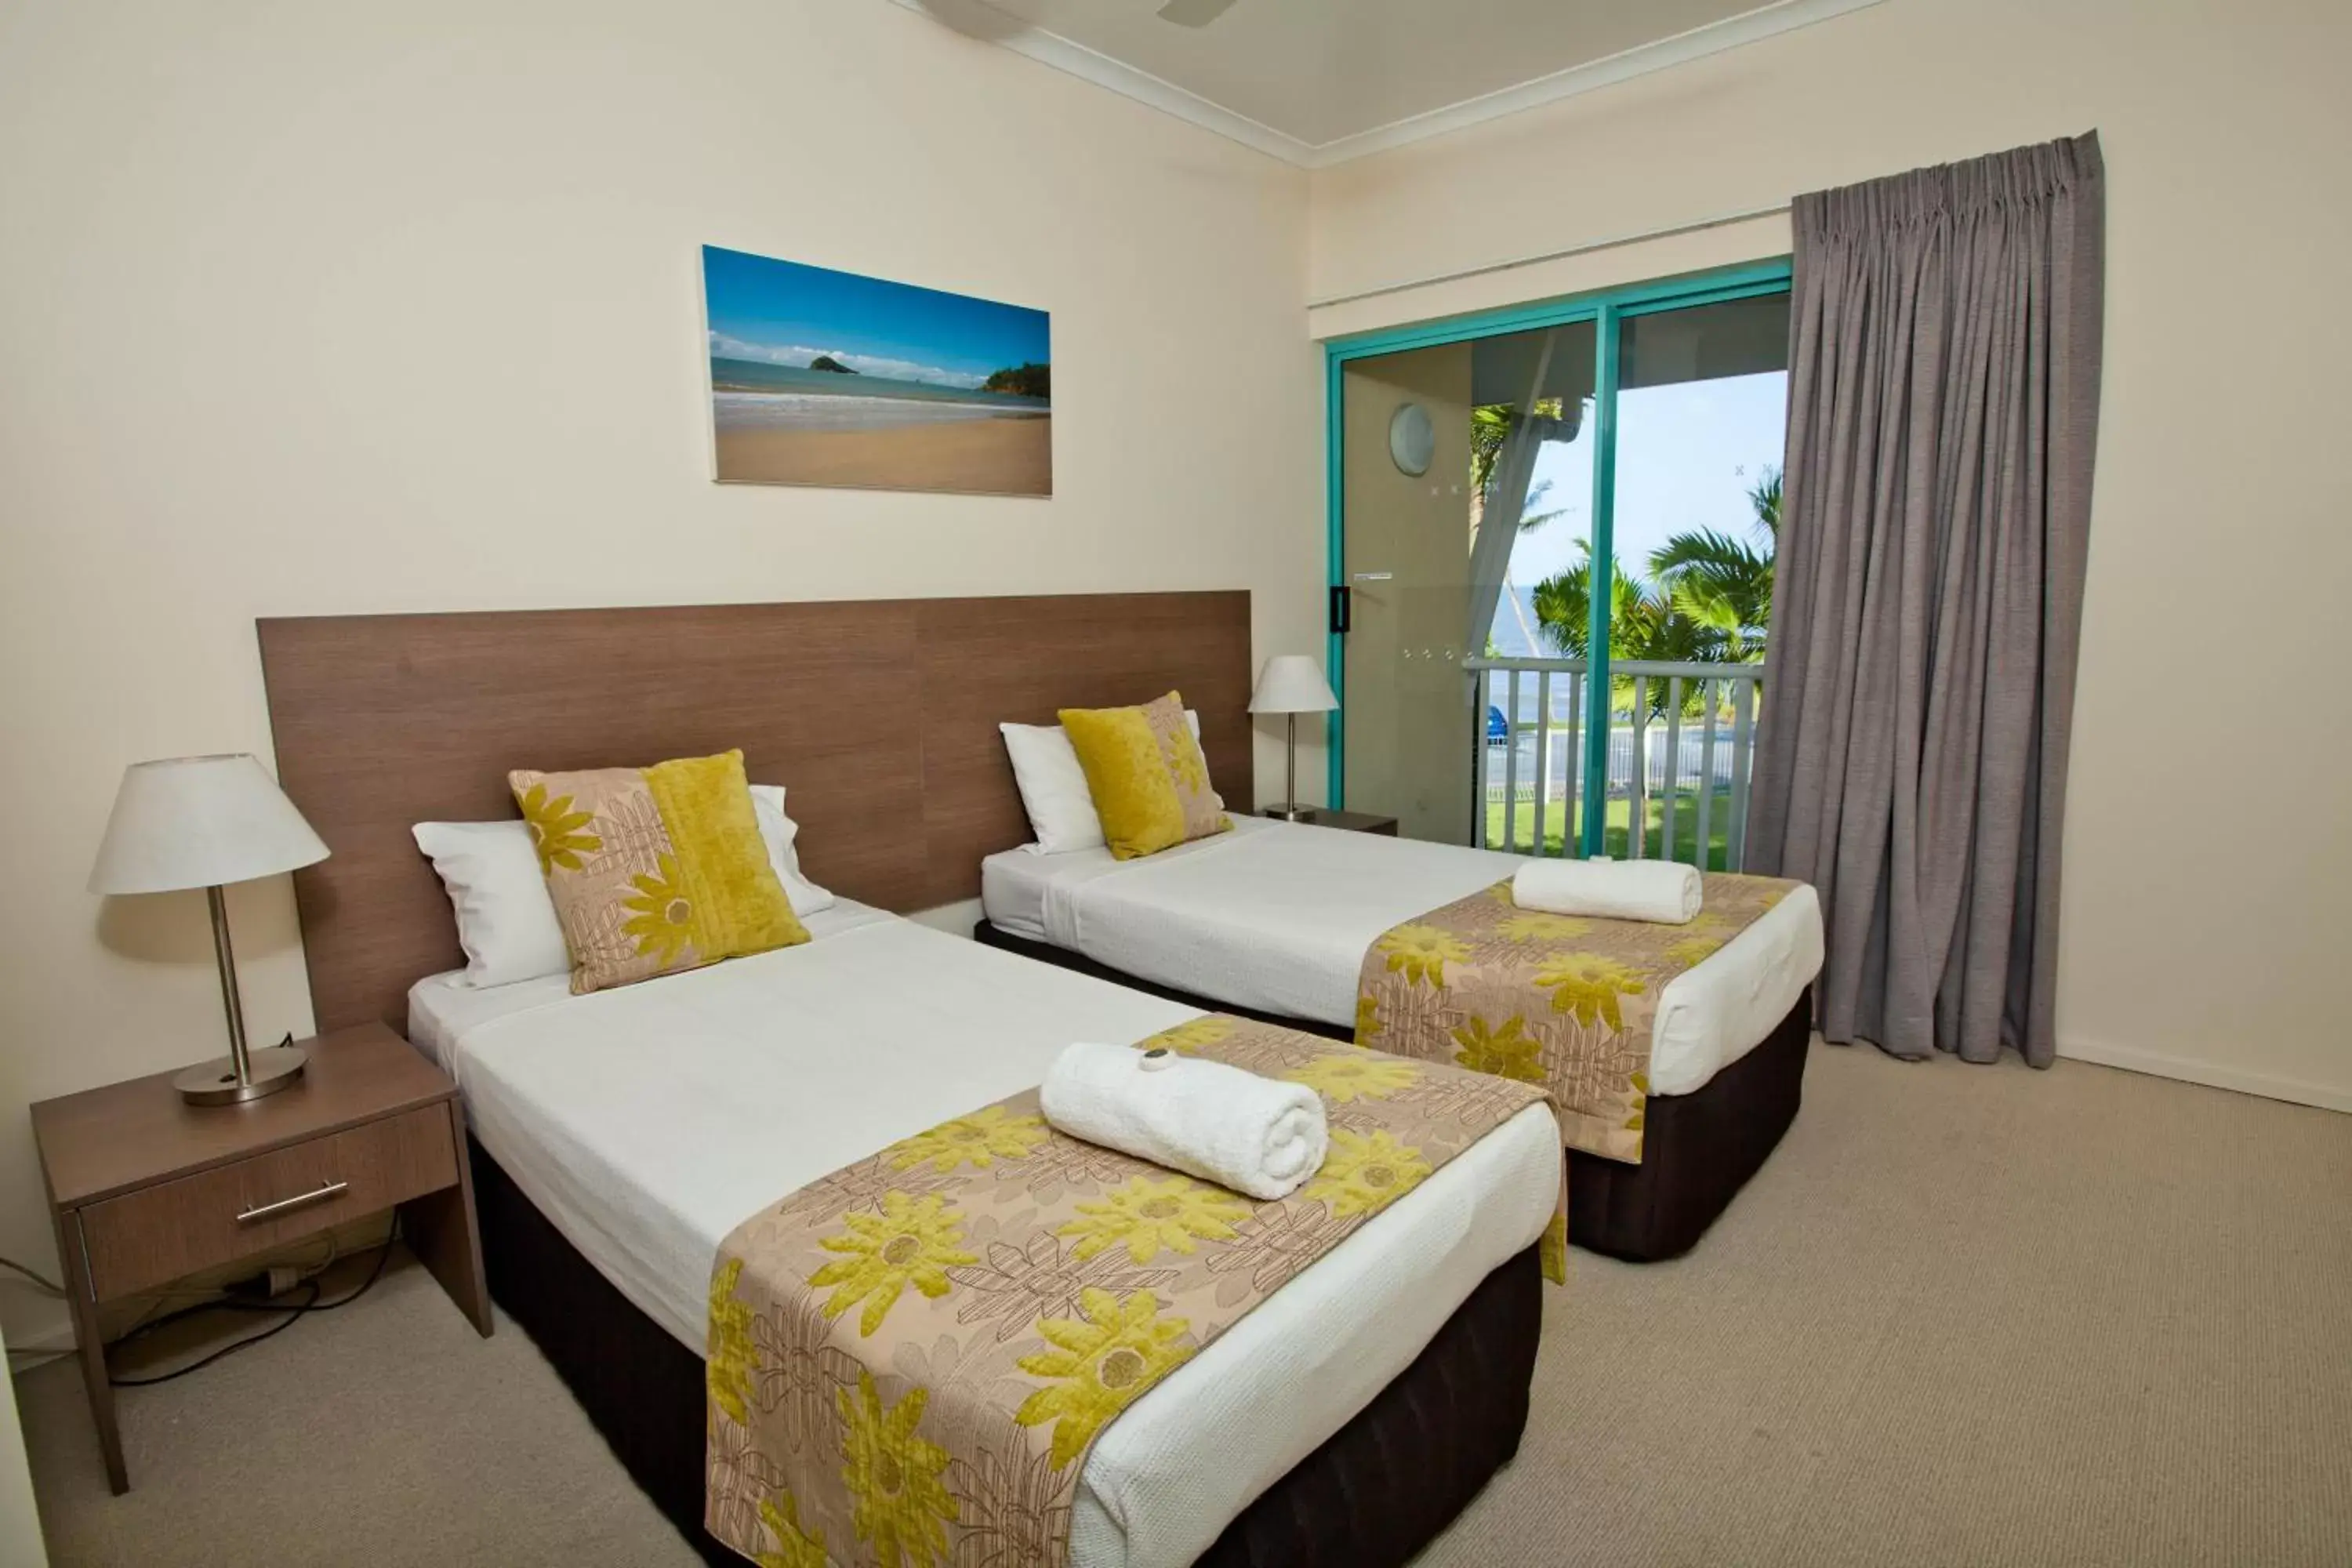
x=294, y=1314
x=43, y=1280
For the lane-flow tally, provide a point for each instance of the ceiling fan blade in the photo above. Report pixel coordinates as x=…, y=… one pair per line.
x=1194, y=13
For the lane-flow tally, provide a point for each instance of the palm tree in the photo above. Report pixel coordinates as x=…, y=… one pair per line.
x=1708, y=600
x=1645, y=622
x=1726, y=582
x=1490, y=427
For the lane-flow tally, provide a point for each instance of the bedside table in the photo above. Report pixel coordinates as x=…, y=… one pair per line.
x=146, y=1188
x=1350, y=821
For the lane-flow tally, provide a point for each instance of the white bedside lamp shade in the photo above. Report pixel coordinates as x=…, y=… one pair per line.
x=1292, y=683
x=200, y=822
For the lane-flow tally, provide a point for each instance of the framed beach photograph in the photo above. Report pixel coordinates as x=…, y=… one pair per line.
x=820, y=377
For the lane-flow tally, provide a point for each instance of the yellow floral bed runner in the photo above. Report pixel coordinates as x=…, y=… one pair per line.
x=910, y=1359
x=1558, y=1000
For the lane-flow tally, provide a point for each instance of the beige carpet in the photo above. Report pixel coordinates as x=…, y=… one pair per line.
x=1966, y=1315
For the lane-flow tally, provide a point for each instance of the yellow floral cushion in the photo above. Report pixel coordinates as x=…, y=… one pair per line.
x=654, y=870
x=1146, y=772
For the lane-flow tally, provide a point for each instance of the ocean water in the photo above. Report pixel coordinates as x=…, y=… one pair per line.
x=1511, y=634
x=751, y=395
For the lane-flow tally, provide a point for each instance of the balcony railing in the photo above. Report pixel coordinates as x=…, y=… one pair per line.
x=1679, y=755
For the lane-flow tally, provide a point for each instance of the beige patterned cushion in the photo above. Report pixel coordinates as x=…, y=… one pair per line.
x=655, y=870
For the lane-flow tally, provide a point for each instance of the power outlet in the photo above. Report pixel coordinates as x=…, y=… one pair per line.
x=280, y=1278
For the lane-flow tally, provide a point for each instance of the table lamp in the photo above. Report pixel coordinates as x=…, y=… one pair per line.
x=201, y=822
x=1292, y=684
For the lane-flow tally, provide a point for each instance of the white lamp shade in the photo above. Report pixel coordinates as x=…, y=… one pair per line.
x=1292, y=683
x=200, y=822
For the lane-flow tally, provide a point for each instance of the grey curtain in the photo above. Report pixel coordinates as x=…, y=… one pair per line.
x=1943, y=405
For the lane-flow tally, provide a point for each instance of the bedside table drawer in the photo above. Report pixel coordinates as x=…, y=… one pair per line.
x=161, y=1233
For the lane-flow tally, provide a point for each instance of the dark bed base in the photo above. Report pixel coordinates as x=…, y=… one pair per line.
x=641, y=1388
x=1698, y=1149
x=1376, y=1493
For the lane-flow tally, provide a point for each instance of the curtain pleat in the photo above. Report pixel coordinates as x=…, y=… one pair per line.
x=1943, y=410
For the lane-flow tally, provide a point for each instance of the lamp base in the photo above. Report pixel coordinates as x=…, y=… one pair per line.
x=267, y=1071
x=1292, y=812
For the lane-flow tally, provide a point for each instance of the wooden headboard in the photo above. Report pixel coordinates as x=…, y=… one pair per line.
x=880, y=716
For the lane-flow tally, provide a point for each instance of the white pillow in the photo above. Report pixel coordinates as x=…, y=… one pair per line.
x=506, y=922
x=783, y=852
x=1053, y=787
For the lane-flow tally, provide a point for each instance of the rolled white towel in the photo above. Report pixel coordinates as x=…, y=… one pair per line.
x=1663, y=892
x=1256, y=1135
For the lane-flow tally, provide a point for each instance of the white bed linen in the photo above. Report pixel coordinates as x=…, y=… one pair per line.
x=441, y=1008
x=1276, y=916
x=646, y=1121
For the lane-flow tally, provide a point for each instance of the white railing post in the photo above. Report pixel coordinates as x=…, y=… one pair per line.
x=1743, y=744
x=1672, y=796
x=1637, y=775
x=1718, y=688
x=1543, y=757
x=1511, y=765
x=1707, y=702
x=1571, y=845
x=1739, y=685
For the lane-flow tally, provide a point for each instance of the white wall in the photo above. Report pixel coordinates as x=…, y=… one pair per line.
x=334, y=308
x=2207, y=844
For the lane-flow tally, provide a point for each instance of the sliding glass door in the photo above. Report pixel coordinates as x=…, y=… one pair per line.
x=1434, y=438
x=1552, y=536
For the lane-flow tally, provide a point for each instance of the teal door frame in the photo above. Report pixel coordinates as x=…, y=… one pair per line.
x=1606, y=308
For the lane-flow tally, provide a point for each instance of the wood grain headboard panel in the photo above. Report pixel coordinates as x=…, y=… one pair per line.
x=987, y=661
x=879, y=715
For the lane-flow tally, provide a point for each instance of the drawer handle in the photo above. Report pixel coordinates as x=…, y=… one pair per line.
x=301, y=1200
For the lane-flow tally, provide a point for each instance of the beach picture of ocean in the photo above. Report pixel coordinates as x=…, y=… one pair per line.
x=820, y=377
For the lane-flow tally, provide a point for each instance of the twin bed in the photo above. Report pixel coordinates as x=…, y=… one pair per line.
x=1273, y=919
x=617, y=1137
x=770, y=1077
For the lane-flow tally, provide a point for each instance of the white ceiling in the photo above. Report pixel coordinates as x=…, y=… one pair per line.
x=1316, y=81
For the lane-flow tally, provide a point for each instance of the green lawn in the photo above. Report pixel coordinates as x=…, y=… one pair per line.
x=1621, y=813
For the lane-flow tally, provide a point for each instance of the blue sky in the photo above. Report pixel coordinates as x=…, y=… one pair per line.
x=786, y=313
x=1686, y=454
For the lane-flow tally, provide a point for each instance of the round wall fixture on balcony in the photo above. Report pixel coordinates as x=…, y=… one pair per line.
x=1412, y=439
